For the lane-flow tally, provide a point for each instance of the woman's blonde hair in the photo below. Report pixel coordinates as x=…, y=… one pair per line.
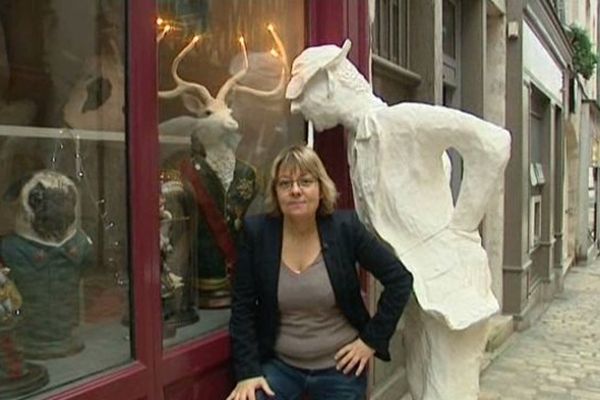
x=304, y=160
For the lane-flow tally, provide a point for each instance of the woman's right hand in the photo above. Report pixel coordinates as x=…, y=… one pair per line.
x=246, y=389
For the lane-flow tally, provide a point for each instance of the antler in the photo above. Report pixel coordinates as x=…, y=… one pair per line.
x=279, y=44
x=165, y=29
x=183, y=85
x=215, y=115
x=239, y=75
x=280, y=54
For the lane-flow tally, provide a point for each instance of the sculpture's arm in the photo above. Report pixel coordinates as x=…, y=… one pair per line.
x=485, y=149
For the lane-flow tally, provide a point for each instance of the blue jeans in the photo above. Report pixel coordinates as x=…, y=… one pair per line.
x=291, y=383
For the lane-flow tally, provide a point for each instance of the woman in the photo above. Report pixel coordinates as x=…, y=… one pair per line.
x=298, y=322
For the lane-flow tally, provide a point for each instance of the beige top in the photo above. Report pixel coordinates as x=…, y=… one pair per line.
x=312, y=327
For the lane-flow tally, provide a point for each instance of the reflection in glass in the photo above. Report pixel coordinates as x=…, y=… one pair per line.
x=223, y=69
x=449, y=28
x=63, y=231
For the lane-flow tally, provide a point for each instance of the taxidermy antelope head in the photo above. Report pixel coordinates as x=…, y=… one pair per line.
x=213, y=119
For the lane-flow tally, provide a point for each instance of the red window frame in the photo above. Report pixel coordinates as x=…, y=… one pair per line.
x=198, y=369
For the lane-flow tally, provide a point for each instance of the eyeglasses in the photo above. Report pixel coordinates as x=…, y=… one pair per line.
x=288, y=184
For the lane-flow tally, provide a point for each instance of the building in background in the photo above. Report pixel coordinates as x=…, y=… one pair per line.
x=511, y=63
x=79, y=95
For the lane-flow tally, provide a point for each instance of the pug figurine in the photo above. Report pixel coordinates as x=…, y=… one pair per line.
x=47, y=255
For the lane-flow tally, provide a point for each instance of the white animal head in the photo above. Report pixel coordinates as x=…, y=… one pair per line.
x=324, y=84
x=214, y=115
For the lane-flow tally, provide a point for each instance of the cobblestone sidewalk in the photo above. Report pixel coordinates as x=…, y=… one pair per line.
x=559, y=356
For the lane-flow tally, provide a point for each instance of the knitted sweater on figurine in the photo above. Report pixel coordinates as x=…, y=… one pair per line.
x=47, y=255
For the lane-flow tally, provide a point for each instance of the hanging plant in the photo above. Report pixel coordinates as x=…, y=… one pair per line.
x=584, y=59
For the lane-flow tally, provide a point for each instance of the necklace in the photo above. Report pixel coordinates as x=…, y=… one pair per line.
x=299, y=271
x=295, y=271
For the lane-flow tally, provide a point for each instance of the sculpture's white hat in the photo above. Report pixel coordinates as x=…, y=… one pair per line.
x=311, y=61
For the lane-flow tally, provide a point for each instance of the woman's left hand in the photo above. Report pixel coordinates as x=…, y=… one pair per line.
x=356, y=354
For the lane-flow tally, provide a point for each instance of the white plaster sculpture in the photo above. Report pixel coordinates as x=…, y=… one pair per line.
x=402, y=193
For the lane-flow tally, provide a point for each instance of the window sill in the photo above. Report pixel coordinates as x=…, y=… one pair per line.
x=395, y=72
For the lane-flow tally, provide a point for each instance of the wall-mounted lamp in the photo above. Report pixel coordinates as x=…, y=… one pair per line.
x=512, y=30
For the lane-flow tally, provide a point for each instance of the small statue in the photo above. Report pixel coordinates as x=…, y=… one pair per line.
x=17, y=377
x=402, y=193
x=223, y=187
x=170, y=283
x=175, y=249
x=47, y=255
x=10, y=298
x=177, y=307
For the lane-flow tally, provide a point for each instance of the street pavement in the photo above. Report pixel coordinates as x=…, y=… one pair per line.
x=558, y=357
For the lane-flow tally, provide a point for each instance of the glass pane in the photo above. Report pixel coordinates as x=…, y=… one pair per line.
x=63, y=243
x=403, y=39
x=449, y=28
x=395, y=39
x=384, y=29
x=592, y=204
x=223, y=68
x=536, y=132
x=375, y=28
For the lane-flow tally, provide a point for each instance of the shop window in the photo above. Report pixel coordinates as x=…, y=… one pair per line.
x=535, y=210
x=537, y=106
x=538, y=126
x=535, y=222
x=449, y=28
x=592, y=203
x=390, y=31
x=223, y=68
x=64, y=297
x=559, y=8
x=572, y=93
x=450, y=41
x=536, y=175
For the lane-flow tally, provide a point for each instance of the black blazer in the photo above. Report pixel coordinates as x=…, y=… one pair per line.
x=345, y=242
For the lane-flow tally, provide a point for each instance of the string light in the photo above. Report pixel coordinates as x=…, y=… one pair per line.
x=278, y=42
x=87, y=189
x=163, y=32
x=57, y=146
